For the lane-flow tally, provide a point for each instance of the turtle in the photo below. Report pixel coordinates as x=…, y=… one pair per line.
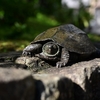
x=59, y=44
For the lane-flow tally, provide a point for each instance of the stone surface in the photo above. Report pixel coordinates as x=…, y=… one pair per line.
x=34, y=64
x=85, y=77
x=10, y=56
x=77, y=81
x=16, y=84
x=52, y=87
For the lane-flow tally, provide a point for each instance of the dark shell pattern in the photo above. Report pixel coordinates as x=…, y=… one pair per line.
x=69, y=37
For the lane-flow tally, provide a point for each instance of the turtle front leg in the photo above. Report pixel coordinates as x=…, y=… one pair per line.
x=32, y=49
x=64, y=58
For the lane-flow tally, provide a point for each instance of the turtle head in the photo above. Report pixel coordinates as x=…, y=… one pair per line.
x=50, y=49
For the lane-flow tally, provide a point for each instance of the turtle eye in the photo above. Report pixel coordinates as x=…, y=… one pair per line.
x=50, y=49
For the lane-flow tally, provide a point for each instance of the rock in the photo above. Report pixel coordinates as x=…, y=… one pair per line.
x=7, y=60
x=77, y=81
x=55, y=88
x=34, y=64
x=85, y=77
x=9, y=57
x=16, y=84
x=12, y=65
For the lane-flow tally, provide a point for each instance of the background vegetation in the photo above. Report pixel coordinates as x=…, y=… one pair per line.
x=22, y=20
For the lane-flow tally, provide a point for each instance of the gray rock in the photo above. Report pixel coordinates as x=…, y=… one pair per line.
x=34, y=64
x=16, y=84
x=78, y=81
x=51, y=87
x=86, y=78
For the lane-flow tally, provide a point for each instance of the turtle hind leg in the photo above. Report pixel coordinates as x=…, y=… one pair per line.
x=64, y=58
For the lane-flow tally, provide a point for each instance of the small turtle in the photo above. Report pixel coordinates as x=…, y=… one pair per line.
x=61, y=43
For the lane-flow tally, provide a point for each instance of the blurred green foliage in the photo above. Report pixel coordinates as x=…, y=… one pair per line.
x=22, y=20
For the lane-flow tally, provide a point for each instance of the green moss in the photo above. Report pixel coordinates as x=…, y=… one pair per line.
x=94, y=37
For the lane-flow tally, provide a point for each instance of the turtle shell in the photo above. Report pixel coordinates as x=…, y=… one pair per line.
x=69, y=37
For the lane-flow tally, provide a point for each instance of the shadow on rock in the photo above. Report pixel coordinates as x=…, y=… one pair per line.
x=93, y=85
x=58, y=89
